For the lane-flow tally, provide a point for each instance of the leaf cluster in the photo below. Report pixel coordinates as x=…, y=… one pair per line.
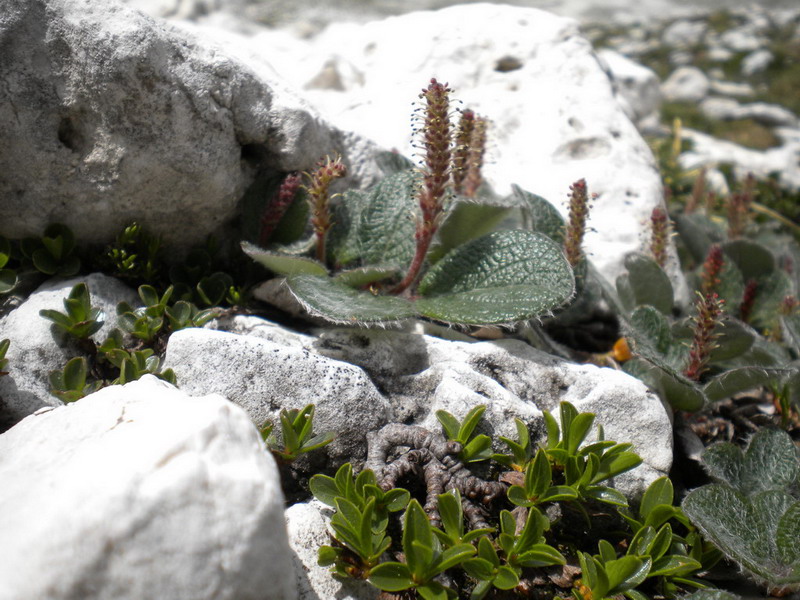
x=297, y=433
x=443, y=562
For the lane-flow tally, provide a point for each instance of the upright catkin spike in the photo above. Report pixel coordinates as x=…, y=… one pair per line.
x=318, y=187
x=277, y=207
x=709, y=310
x=698, y=192
x=437, y=145
x=477, y=149
x=659, y=235
x=712, y=267
x=466, y=127
x=576, y=224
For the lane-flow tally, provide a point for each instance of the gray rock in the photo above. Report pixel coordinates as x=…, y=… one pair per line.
x=686, y=84
x=684, y=34
x=743, y=39
x=139, y=491
x=725, y=109
x=731, y=88
x=757, y=61
x=264, y=377
x=113, y=115
x=33, y=352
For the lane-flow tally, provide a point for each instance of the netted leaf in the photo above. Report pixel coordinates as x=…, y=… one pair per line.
x=502, y=277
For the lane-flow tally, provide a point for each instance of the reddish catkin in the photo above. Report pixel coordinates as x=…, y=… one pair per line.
x=576, y=225
x=709, y=309
x=466, y=127
x=712, y=267
x=437, y=145
x=477, y=150
x=318, y=188
x=277, y=207
x=659, y=235
x=748, y=300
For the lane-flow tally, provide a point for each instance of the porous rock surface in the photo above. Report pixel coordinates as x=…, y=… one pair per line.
x=139, y=491
x=34, y=350
x=109, y=113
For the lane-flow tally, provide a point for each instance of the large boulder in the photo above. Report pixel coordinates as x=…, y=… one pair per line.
x=110, y=114
x=139, y=491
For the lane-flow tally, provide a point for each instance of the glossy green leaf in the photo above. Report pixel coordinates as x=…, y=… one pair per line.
x=658, y=493
x=478, y=568
x=674, y=565
x=506, y=578
x=8, y=280
x=502, y=277
x=470, y=422
x=540, y=555
x=417, y=540
x=449, y=423
x=607, y=495
x=454, y=555
x=626, y=573
x=391, y=577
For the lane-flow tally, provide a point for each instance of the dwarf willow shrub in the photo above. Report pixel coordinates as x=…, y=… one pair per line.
x=368, y=261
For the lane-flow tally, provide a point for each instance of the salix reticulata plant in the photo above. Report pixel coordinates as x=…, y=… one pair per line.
x=373, y=263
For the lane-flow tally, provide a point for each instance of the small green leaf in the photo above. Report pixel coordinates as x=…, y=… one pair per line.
x=363, y=276
x=626, y=573
x=506, y=578
x=540, y=555
x=391, y=577
x=417, y=540
x=657, y=493
x=75, y=373
x=470, y=422
x=674, y=565
x=449, y=423
x=8, y=280
x=478, y=568
x=454, y=555
x=451, y=513
x=607, y=495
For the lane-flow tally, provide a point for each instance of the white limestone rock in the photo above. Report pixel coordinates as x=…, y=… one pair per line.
x=708, y=151
x=757, y=61
x=140, y=491
x=264, y=377
x=306, y=526
x=34, y=352
x=686, y=84
x=638, y=86
x=117, y=116
x=725, y=109
x=555, y=118
x=422, y=374
x=684, y=33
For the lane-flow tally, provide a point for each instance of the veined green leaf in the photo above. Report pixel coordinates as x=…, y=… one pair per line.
x=391, y=577
x=501, y=277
